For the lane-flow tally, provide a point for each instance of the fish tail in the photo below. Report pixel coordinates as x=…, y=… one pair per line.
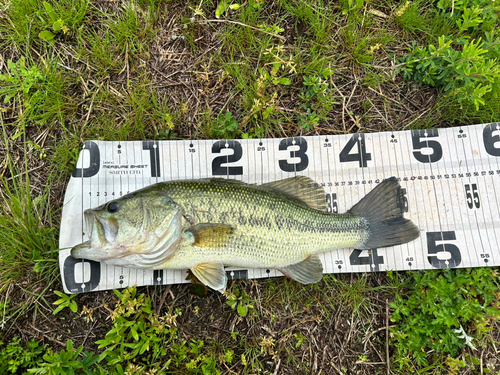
x=382, y=208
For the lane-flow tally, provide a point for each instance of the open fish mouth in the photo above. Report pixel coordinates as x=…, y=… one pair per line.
x=147, y=253
x=102, y=232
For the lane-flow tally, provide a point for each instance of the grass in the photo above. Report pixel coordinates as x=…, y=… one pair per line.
x=165, y=69
x=28, y=243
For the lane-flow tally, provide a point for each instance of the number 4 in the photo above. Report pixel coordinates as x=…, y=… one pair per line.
x=362, y=156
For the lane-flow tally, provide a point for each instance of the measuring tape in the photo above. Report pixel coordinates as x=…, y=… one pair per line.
x=450, y=181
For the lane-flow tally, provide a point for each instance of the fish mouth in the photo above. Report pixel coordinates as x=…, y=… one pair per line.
x=82, y=251
x=147, y=253
x=102, y=232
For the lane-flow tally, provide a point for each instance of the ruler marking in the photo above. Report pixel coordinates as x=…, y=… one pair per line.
x=374, y=254
x=468, y=170
x=408, y=139
x=459, y=190
x=496, y=200
x=410, y=260
x=425, y=134
x=192, y=158
x=449, y=182
x=485, y=188
x=328, y=256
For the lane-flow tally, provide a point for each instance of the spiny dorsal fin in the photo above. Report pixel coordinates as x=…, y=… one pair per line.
x=211, y=274
x=309, y=271
x=210, y=235
x=302, y=188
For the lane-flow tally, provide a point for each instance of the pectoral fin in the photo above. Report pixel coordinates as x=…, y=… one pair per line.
x=309, y=271
x=211, y=274
x=210, y=235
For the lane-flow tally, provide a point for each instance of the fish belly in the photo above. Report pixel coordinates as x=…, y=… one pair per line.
x=258, y=247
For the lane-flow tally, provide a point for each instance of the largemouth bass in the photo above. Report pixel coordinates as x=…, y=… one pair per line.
x=205, y=225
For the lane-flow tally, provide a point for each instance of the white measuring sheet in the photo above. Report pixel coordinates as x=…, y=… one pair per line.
x=450, y=181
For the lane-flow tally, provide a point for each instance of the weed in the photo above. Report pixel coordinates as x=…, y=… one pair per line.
x=463, y=64
x=66, y=361
x=57, y=25
x=299, y=339
x=137, y=330
x=25, y=21
x=438, y=307
x=466, y=74
x=41, y=91
x=241, y=301
x=316, y=100
x=226, y=125
x=13, y=357
x=224, y=6
x=352, y=6
x=65, y=301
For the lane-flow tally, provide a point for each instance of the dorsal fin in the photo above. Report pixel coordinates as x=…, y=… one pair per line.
x=302, y=188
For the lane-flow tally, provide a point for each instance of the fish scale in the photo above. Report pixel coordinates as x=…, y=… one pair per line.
x=278, y=230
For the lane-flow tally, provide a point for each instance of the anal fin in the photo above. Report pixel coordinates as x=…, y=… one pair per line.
x=308, y=271
x=211, y=274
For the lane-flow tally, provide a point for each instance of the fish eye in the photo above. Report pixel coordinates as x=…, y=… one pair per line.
x=113, y=207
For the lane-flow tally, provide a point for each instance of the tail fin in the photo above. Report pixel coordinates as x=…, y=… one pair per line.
x=382, y=209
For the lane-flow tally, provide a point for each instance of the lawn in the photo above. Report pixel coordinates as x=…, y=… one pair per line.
x=76, y=70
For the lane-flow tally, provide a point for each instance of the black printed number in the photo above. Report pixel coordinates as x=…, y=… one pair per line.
x=402, y=201
x=154, y=156
x=361, y=156
x=70, y=265
x=472, y=196
x=492, y=142
x=331, y=203
x=300, y=142
x=419, y=144
x=444, y=255
x=94, y=162
x=373, y=259
x=217, y=168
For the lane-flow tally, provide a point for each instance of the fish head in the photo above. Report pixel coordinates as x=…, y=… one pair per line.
x=138, y=230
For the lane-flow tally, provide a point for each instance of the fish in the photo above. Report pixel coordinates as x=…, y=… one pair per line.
x=208, y=224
